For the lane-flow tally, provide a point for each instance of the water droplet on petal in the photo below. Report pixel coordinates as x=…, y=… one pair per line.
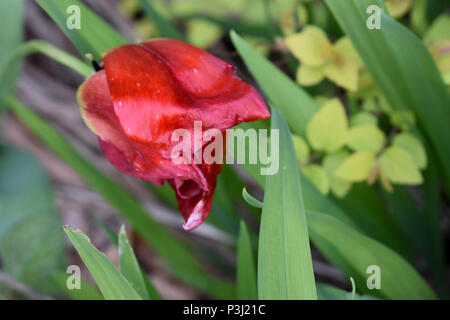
x=138, y=165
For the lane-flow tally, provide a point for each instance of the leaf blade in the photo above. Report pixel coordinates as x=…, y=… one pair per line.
x=111, y=283
x=353, y=252
x=95, y=36
x=284, y=257
x=129, y=266
x=246, y=275
x=388, y=54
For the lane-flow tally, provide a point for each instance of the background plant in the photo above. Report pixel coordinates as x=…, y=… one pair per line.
x=365, y=174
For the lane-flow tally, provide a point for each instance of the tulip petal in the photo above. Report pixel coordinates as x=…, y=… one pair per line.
x=148, y=91
x=168, y=84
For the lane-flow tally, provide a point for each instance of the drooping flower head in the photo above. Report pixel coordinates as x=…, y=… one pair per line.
x=149, y=90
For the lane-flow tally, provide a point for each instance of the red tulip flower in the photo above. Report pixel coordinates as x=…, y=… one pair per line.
x=147, y=91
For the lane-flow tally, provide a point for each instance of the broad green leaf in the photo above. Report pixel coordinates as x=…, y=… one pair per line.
x=363, y=118
x=246, y=274
x=293, y=102
x=284, y=258
x=402, y=69
x=331, y=163
x=366, y=137
x=112, y=284
x=309, y=45
x=345, y=76
x=129, y=266
x=180, y=259
x=314, y=200
x=301, y=148
x=95, y=36
x=438, y=30
x=286, y=95
x=318, y=177
x=347, y=51
x=398, y=8
x=353, y=252
x=310, y=75
x=432, y=213
x=399, y=167
x=164, y=26
x=377, y=222
x=413, y=146
x=419, y=229
x=31, y=239
x=11, y=26
x=356, y=167
x=327, y=130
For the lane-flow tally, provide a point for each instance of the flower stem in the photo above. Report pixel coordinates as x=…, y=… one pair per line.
x=38, y=46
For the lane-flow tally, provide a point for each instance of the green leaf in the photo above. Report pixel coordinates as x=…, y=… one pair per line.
x=376, y=223
x=246, y=275
x=363, y=118
x=112, y=284
x=356, y=167
x=327, y=130
x=318, y=177
x=11, y=23
x=301, y=148
x=129, y=266
x=95, y=36
x=414, y=224
x=293, y=102
x=31, y=239
x=327, y=292
x=251, y=200
x=366, y=137
x=86, y=292
x=202, y=33
x=309, y=45
x=284, y=258
x=353, y=252
x=180, y=259
x=432, y=214
x=399, y=167
x=390, y=54
x=419, y=16
x=331, y=162
x=413, y=146
x=402, y=119
x=438, y=30
x=165, y=28
x=286, y=95
x=38, y=46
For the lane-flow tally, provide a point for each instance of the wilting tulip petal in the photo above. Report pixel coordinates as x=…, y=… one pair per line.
x=148, y=91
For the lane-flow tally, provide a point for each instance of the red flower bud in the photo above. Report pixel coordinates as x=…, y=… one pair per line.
x=149, y=90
